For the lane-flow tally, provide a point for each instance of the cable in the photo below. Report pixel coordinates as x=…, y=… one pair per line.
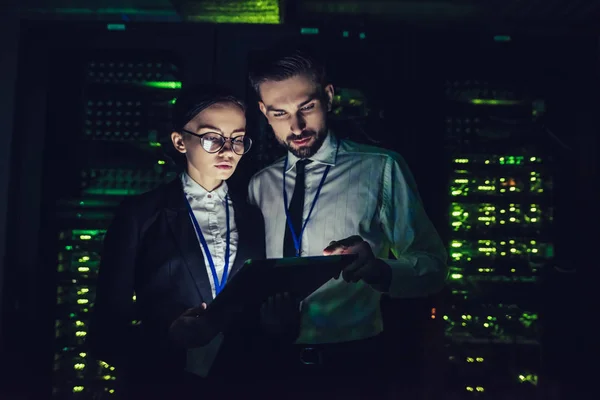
x=553, y=136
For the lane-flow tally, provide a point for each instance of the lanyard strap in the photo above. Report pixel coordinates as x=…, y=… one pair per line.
x=298, y=238
x=219, y=284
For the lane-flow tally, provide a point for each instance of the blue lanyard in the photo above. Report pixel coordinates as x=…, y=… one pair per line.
x=298, y=238
x=219, y=284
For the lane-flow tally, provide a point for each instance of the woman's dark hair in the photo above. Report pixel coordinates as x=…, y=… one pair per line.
x=192, y=100
x=285, y=61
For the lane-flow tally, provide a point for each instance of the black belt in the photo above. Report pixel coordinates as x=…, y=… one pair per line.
x=357, y=351
x=311, y=355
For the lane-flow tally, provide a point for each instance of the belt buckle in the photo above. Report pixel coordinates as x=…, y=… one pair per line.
x=311, y=356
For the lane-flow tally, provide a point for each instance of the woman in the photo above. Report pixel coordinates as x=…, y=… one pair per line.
x=177, y=246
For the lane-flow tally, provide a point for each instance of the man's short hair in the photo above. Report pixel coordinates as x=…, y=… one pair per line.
x=282, y=62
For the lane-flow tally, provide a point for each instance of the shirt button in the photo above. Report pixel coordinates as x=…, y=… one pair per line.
x=210, y=196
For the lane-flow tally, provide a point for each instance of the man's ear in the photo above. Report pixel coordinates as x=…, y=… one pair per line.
x=330, y=92
x=178, y=142
x=263, y=108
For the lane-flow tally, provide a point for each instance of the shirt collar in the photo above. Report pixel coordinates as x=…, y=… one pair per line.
x=325, y=155
x=193, y=189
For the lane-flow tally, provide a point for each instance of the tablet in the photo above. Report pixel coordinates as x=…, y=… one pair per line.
x=301, y=276
x=258, y=279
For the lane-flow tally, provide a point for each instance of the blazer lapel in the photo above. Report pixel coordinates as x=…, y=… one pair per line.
x=183, y=231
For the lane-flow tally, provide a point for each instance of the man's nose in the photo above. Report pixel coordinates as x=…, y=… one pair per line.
x=297, y=124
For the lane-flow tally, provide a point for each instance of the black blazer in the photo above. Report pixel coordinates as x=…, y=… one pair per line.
x=151, y=247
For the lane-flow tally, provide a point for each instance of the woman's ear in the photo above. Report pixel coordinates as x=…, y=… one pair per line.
x=178, y=142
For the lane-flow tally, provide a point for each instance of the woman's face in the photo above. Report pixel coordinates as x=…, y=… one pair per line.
x=210, y=169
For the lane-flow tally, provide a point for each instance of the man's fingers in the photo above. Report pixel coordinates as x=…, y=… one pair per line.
x=364, y=271
x=333, y=250
x=360, y=273
x=350, y=271
x=343, y=246
x=347, y=241
x=351, y=241
x=361, y=259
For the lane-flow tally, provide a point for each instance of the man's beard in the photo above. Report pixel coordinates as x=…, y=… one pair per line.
x=305, y=151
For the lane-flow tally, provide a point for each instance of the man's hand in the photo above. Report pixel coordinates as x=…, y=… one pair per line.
x=193, y=328
x=280, y=317
x=367, y=267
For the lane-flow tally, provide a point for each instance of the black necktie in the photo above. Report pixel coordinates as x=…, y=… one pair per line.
x=295, y=211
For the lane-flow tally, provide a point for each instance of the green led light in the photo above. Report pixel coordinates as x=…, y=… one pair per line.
x=511, y=160
x=155, y=144
x=309, y=31
x=345, y=34
x=238, y=11
x=163, y=85
x=262, y=18
x=91, y=232
x=68, y=247
x=494, y=102
x=362, y=35
x=502, y=38
x=110, y=192
x=173, y=101
x=115, y=27
x=161, y=162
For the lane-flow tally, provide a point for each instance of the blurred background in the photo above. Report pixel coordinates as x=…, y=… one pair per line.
x=492, y=103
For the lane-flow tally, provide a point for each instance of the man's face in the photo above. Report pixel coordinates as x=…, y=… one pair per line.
x=296, y=108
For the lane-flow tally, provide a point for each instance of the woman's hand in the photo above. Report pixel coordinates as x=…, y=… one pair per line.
x=193, y=328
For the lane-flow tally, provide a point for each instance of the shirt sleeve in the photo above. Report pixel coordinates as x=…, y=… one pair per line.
x=420, y=266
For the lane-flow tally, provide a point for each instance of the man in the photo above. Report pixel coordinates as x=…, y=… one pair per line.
x=339, y=197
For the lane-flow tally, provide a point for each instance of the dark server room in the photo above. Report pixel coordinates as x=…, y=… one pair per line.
x=493, y=106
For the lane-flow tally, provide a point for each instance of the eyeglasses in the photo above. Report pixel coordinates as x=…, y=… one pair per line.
x=213, y=142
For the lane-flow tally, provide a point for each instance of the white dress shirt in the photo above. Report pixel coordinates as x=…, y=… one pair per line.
x=209, y=210
x=369, y=192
